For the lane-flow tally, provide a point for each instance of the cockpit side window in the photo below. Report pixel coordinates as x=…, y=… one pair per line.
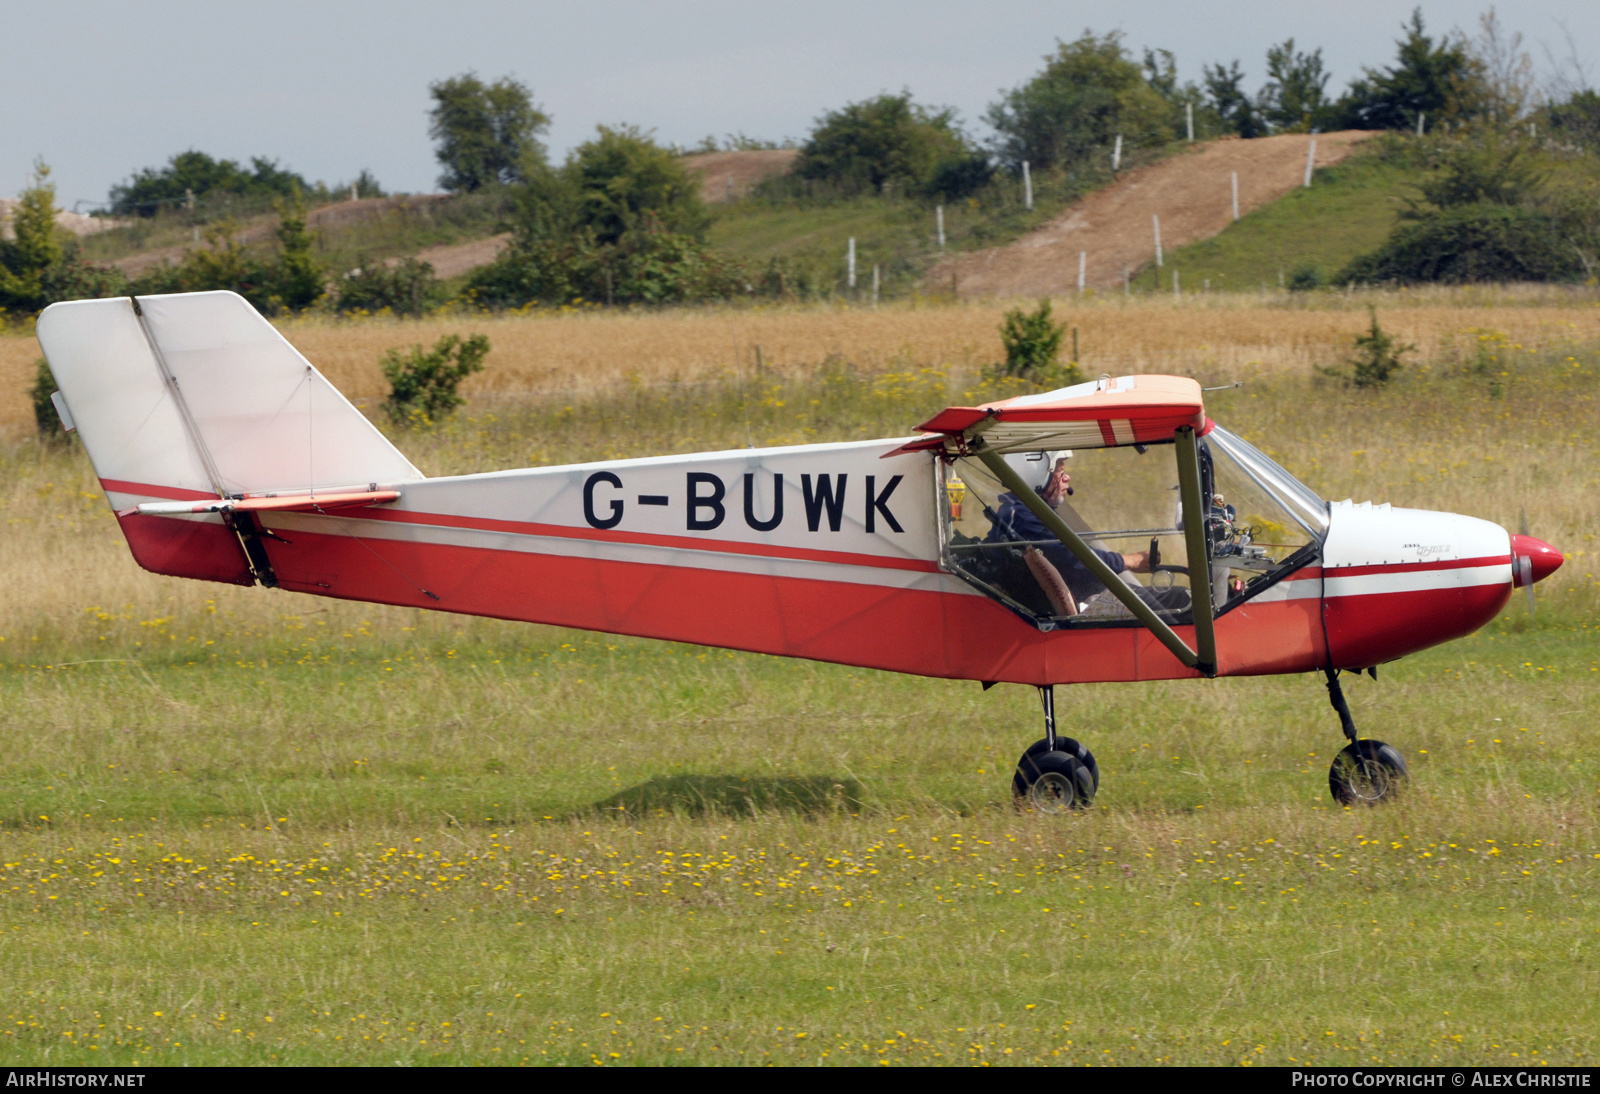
x=1124, y=502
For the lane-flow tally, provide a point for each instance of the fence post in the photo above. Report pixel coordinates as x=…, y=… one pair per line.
x=1155, y=222
x=1027, y=186
x=1422, y=117
x=938, y=214
x=1116, y=155
x=1311, y=159
x=1235, y=195
x=850, y=264
x=874, y=286
x=1188, y=118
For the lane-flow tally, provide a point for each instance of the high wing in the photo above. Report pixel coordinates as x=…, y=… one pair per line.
x=1098, y=414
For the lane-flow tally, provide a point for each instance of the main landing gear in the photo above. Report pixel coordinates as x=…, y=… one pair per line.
x=1056, y=774
x=1366, y=772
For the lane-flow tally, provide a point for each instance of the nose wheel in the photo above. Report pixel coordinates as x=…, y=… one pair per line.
x=1056, y=774
x=1365, y=772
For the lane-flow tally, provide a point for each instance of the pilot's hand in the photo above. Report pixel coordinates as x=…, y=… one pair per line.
x=1137, y=562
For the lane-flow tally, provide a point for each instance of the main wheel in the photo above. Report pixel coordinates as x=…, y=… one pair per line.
x=1365, y=773
x=1063, y=744
x=1054, y=782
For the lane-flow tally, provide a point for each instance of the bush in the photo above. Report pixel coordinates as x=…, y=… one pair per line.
x=647, y=267
x=1470, y=243
x=45, y=417
x=290, y=281
x=1378, y=357
x=406, y=288
x=422, y=384
x=1032, y=342
x=1305, y=277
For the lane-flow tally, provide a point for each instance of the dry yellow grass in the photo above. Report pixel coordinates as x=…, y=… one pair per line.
x=583, y=352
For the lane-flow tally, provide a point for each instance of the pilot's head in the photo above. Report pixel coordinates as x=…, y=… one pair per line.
x=1046, y=472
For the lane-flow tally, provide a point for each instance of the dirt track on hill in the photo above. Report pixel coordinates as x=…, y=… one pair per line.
x=1191, y=193
x=727, y=175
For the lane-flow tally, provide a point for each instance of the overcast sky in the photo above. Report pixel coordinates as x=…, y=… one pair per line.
x=99, y=89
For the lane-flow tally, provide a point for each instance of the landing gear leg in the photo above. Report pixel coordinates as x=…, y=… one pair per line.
x=1056, y=774
x=1366, y=771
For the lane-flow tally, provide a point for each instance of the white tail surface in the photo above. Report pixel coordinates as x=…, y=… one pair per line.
x=197, y=392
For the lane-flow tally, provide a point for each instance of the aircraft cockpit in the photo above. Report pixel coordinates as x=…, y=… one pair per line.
x=1125, y=503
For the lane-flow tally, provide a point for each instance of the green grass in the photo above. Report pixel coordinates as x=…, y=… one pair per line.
x=1348, y=210
x=403, y=853
x=244, y=826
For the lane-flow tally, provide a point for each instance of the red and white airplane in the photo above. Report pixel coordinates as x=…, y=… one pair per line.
x=1186, y=552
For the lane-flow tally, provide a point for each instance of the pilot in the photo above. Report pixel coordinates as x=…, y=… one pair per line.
x=1015, y=522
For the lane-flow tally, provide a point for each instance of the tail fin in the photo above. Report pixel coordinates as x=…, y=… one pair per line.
x=196, y=396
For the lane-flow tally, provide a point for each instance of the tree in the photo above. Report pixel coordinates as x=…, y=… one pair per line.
x=1090, y=91
x=196, y=175
x=1225, y=90
x=486, y=133
x=888, y=141
x=1295, y=97
x=296, y=278
x=1575, y=121
x=622, y=181
x=1439, y=79
x=620, y=222
x=35, y=248
x=1505, y=69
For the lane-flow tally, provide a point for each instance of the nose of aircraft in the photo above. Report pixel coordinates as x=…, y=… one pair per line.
x=1532, y=560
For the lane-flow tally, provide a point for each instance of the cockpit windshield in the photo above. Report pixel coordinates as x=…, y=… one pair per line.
x=1308, y=510
x=1123, y=502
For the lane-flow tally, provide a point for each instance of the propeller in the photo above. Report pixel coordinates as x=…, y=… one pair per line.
x=1532, y=560
x=1522, y=526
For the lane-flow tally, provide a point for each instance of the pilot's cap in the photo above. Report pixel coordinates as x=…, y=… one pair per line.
x=1035, y=467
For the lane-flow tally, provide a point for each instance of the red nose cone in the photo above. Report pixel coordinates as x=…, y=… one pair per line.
x=1532, y=560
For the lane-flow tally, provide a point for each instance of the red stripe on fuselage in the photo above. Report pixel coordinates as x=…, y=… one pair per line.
x=147, y=490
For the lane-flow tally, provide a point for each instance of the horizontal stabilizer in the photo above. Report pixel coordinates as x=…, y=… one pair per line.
x=289, y=503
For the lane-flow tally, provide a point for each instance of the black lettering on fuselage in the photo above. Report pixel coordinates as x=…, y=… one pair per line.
x=711, y=501
x=588, y=500
x=750, y=504
x=825, y=498
x=878, y=505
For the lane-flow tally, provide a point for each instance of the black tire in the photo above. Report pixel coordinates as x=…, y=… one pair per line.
x=1367, y=772
x=1054, y=782
x=1063, y=744
x=1059, y=783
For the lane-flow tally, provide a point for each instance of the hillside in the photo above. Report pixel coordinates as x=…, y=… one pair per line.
x=1191, y=193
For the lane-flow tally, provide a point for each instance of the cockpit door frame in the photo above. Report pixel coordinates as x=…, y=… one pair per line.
x=1205, y=659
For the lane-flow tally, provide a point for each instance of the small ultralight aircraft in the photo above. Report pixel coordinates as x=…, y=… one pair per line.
x=1184, y=552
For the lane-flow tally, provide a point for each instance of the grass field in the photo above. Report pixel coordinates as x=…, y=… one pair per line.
x=250, y=826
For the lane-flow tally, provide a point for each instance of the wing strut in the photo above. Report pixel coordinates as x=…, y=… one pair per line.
x=1194, y=534
x=1096, y=565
